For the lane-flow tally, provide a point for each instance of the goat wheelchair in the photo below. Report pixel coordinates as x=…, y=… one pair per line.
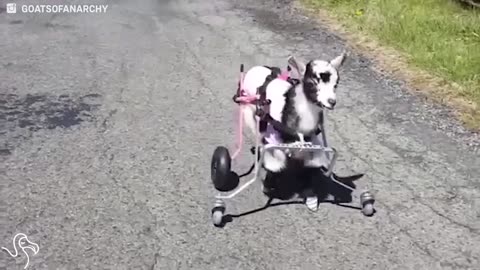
x=226, y=181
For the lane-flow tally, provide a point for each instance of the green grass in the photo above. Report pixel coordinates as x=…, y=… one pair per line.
x=438, y=36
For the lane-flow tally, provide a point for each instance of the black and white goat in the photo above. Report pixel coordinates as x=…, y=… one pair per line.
x=298, y=107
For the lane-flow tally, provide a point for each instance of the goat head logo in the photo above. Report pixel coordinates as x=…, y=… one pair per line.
x=21, y=241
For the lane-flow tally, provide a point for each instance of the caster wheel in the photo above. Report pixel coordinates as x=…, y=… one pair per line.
x=221, y=173
x=367, y=200
x=217, y=217
x=367, y=209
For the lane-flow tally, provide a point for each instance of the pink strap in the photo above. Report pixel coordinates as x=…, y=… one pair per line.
x=242, y=99
x=239, y=133
x=284, y=76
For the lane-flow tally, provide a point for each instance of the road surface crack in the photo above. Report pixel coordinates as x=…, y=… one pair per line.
x=424, y=249
x=155, y=261
x=103, y=126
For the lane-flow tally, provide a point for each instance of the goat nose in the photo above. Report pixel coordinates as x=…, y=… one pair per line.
x=332, y=101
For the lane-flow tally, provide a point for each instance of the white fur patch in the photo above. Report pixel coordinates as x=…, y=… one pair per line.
x=275, y=160
x=276, y=91
x=254, y=78
x=309, y=113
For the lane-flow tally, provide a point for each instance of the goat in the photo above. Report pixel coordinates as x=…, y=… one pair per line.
x=297, y=107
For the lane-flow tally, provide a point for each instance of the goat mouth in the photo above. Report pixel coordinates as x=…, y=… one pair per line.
x=320, y=104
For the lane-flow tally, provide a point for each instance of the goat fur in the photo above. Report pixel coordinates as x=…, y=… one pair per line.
x=296, y=107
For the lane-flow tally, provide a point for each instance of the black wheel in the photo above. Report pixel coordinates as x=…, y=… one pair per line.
x=222, y=177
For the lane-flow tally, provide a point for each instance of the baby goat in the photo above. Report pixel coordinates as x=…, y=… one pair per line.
x=297, y=107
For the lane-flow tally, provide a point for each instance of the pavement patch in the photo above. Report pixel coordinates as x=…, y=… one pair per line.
x=20, y=114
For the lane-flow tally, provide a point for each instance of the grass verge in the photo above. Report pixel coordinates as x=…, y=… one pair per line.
x=433, y=45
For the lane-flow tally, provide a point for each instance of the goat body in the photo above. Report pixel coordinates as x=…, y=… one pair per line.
x=289, y=106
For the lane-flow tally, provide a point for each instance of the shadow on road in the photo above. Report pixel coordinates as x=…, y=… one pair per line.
x=293, y=182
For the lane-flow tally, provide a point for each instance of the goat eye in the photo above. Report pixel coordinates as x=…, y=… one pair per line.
x=325, y=76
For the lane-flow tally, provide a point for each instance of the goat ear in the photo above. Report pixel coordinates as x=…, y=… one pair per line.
x=297, y=65
x=338, y=61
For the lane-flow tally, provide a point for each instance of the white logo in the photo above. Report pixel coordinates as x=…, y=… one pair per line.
x=23, y=243
x=11, y=8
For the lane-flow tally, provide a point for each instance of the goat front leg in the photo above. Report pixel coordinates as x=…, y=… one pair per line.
x=301, y=138
x=274, y=160
x=315, y=159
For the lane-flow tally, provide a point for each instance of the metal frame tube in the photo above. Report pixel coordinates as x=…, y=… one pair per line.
x=258, y=161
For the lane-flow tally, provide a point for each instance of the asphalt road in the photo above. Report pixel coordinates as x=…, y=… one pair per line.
x=108, y=123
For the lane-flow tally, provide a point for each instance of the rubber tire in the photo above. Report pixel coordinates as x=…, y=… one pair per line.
x=232, y=183
x=221, y=168
x=217, y=217
x=368, y=209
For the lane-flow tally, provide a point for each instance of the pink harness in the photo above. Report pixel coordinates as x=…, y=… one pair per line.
x=245, y=99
